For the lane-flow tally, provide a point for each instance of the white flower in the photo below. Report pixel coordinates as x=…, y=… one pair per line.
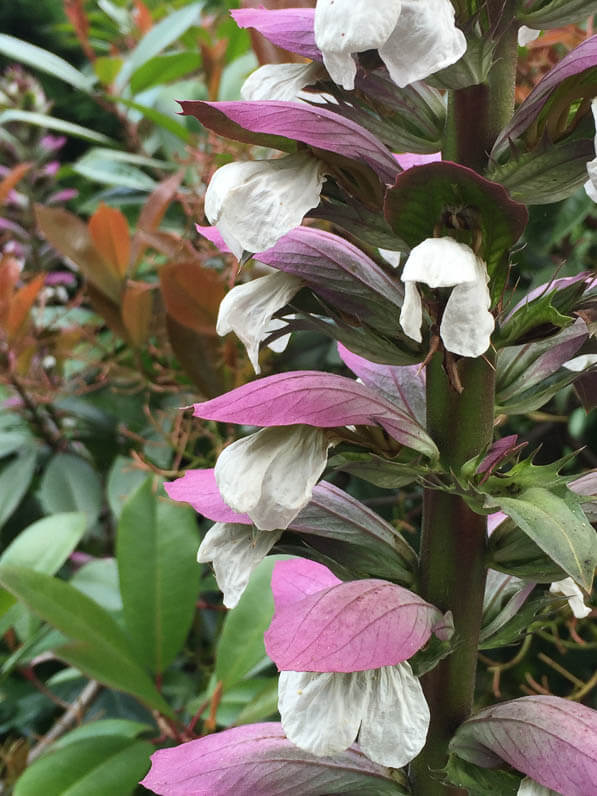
x=414, y=38
x=253, y=204
x=573, y=594
x=247, y=311
x=466, y=324
x=322, y=713
x=528, y=787
x=591, y=183
x=270, y=475
x=391, y=257
x=581, y=362
x=234, y=550
x=281, y=82
x=527, y=35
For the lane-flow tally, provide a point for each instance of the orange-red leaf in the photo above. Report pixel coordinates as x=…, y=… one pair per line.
x=11, y=179
x=109, y=231
x=153, y=212
x=192, y=295
x=20, y=306
x=137, y=311
x=9, y=275
x=70, y=237
x=143, y=17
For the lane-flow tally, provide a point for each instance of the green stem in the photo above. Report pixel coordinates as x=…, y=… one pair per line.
x=452, y=571
x=453, y=541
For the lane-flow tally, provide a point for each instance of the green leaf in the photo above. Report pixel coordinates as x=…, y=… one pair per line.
x=92, y=767
x=510, y=550
x=113, y=172
x=164, y=68
x=96, y=643
x=51, y=123
x=480, y=781
x=162, y=35
x=45, y=545
x=156, y=549
x=99, y=580
x=123, y=728
x=555, y=521
x=38, y=58
x=15, y=478
x=106, y=67
x=263, y=706
x=421, y=198
x=157, y=117
x=13, y=441
x=71, y=484
x=124, y=477
x=241, y=648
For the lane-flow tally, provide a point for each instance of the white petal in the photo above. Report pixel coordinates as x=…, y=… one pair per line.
x=441, y=262
x=396, y=720
x=573, y=594
x=343, y=27
x=591, y=183
x=528, y=787
x=279, y=344
x=467, y=324
x=270, y=475
x=253, y=204
x=247, y=309
x=321, y=712
x=280, y=81
x=391, y=257
x=424, y=41
x=580, y=363
x=234, y=550
x=411, y=314
x=527, y=35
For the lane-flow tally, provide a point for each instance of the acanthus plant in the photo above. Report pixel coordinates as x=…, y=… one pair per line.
x=438, y=354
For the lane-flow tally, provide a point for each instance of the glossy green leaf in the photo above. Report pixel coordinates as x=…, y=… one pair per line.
x=162, y=69
x=240, y=648
x=38, y=58
x=481, y=781
x=106, y=67
x=124, y=477
x=111, y=172
x=162, y=35
x=123, y=728
x=45, y=545
x=13, y=441
x=15, y=478
x=156, y=549
x=555, y=521
x=96, y=645
x=92, y=767
x=99, y=580
x=263, y=706
x=51, y=123
x=70, y=483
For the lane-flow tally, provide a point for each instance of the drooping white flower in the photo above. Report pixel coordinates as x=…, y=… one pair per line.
x=414, y=38
x=270, y=475
x=234, y=551
x=247, y=311
x=581, y=362
x=281, y=82
x=573, y=594
x=526, y=35
x=253, y=204
x=390, y=256
x=529, y=787
x=323, y=713
x=591, y=183
x=466, y=324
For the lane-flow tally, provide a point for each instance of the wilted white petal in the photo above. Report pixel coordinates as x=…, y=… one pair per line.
x=441, y=262
x=580, y=363
x=344, y=27
x=253, y=204
x=396, y=720
x=526, y=35
x=247, y=309
x=391, y=257
x=467, y=324
x=528, y=787
x=321, y=712
x=270, y=475
x=411, y=314
x=573, y=594
x=280, y=81
x=424, y=41
x=234, y=550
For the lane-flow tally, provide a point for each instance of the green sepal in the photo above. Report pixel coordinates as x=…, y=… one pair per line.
x=510, y=550
x=525, y=474
x=432, y=653
x=519, y=626
x=470, y=70
x=385, y=473
x=480, y=781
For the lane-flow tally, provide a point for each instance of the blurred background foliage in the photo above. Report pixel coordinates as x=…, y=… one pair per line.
x=118, y=641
